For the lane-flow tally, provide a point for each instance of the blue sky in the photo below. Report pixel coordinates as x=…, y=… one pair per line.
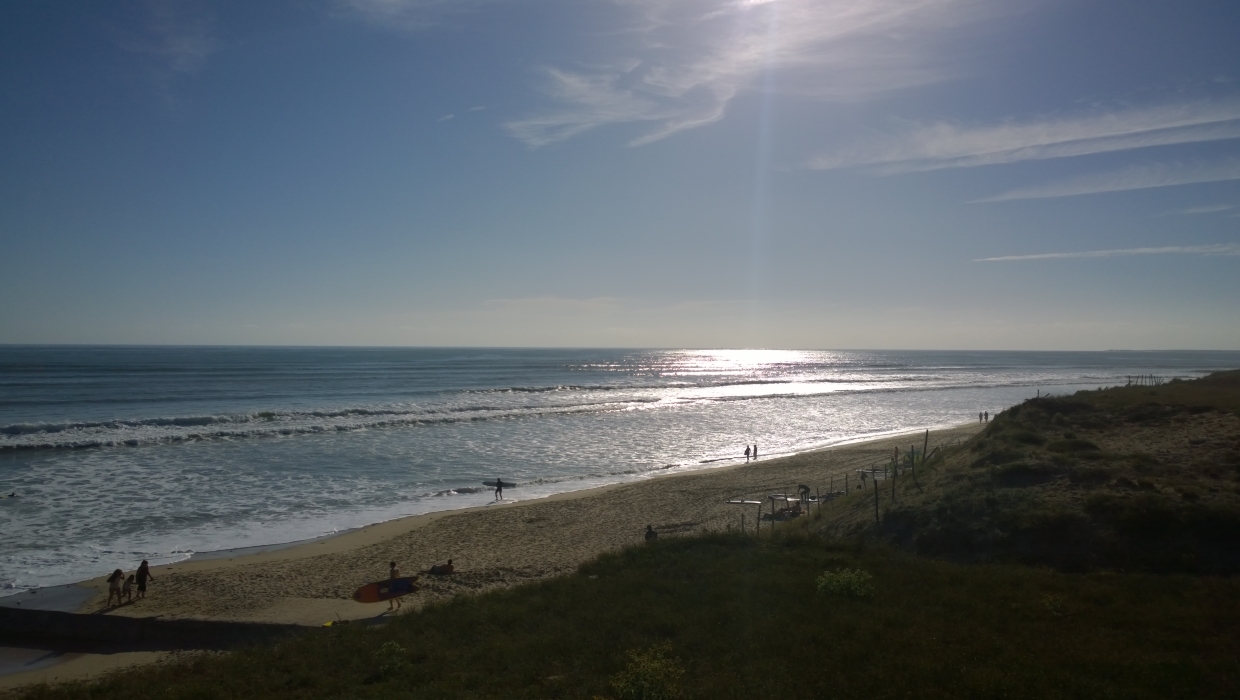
x=704, y=173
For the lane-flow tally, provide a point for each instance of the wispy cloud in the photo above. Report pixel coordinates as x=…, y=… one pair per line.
x=917, y=147
x=408, y=14
x=446, y=117
x=1218, y=249
x=690, y=58
x=1209, y=209
x=1137, y=177
x=180, y=32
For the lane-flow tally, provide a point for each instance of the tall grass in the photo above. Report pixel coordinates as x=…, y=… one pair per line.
x=725, y=616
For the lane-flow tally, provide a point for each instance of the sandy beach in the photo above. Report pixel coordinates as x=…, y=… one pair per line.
x=492, y=546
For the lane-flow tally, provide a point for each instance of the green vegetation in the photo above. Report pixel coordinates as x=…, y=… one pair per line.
x=741, y=618
x=1132, y=479
x=853, y=583
x=1116, y=496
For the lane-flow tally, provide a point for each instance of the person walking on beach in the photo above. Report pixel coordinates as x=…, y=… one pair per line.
x=979, y=416
x=746, y=453
x=499, y=489
x=393, y=573
x=987, y=414
x=114, y=586
x=127, y=589
x=755, y=451
x=144, y=575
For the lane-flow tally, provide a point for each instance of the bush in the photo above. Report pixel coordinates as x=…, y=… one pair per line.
x=852, y=583
x=650, y=675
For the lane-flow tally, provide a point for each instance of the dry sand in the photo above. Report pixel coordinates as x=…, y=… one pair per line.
x=493, y=546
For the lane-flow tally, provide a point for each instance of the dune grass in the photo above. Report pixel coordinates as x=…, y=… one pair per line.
x=721, y=616
x=1130, y=478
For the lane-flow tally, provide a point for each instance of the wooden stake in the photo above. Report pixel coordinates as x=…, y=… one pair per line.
x=875, y=501
x=895, y=469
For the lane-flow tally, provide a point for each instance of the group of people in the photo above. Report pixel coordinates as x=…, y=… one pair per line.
x=124, y=588
x=754, y=453
x=983, y=417
x=435, y=570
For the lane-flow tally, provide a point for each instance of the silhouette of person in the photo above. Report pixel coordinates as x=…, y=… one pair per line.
x=651, y=535
x=746, y=453
x=393, y=572
x=979, y=416
x=755, y=450
x=144, y=575
x=987, y=414
x=114, y=586
x=499, y=489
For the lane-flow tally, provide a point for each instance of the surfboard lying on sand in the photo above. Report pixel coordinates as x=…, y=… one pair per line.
x=385, y=590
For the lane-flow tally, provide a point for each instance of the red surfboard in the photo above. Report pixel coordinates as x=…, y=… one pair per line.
x=385, y=590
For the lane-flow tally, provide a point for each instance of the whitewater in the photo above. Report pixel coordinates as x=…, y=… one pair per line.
x=119, y=454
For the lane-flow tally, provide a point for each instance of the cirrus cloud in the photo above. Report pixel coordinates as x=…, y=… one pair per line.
x=690, y=58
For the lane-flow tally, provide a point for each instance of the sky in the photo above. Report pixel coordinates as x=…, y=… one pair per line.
x=955, y=174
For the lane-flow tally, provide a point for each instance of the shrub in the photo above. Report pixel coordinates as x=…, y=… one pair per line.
x=852, y=583
x=650, y=675
x=391, y=657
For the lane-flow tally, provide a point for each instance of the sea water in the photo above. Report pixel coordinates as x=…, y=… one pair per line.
x=119, y=454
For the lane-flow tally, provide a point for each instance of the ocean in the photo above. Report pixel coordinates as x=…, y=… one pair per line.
x=119, y=454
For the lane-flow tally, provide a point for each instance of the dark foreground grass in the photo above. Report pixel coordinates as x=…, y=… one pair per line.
x=742, y=618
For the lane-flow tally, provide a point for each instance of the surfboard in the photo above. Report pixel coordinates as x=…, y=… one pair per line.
x=492, y=484
x=385, y=590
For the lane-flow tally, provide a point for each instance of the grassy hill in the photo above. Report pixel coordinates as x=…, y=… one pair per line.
x=1130, y=478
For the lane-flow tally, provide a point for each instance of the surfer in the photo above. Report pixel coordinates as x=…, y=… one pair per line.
x=393, y=573
x=144, y=575
x=499, y=489
x=442, y=570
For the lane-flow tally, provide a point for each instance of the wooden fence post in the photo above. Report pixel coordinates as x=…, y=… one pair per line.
x=875, y=501
x=895, y=471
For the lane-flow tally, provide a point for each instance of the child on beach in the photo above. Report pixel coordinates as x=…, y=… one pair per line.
x=114, y=586
x=144, y=574
x=127, y=589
